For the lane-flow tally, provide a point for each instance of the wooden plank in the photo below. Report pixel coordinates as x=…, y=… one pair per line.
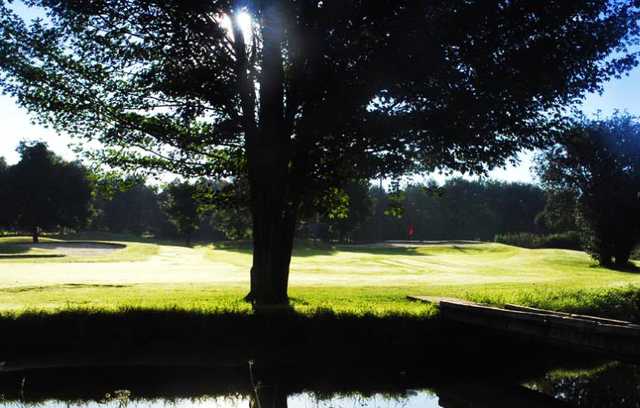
x=552, y=312
x=549, y=319
x=547, y=316
x=483, y=314
x=616, y=337
x=437, y=299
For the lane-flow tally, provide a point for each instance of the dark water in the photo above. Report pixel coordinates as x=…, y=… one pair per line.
x=596, y=384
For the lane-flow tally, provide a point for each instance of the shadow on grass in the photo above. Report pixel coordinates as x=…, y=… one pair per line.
x=629, y=267
x=13, y=249
x=302, y=248
x=305, y=251
x=21, y=251
x=373, y=250
x=33, y=256
x=110, y=236
x=22, y=289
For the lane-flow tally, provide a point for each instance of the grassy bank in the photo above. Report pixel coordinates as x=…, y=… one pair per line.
x=345, y=280
x=350, y=299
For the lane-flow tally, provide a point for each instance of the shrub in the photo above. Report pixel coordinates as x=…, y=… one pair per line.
x=563, y=240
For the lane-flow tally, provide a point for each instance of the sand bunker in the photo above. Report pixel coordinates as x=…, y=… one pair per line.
x=76, y=248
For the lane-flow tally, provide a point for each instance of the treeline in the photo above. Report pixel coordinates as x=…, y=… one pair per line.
x=43, y=193
x=177, y=210
x=459, y=209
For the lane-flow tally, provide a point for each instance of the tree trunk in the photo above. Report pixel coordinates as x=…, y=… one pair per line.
x=622, y=258
x=269, y=153
x=34, y=235
x=273, y=231
x=604, y=259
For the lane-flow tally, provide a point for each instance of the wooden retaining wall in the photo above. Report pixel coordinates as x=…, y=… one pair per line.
x=616, y=338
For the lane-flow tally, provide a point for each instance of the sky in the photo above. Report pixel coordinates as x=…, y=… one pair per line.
x=619, y=94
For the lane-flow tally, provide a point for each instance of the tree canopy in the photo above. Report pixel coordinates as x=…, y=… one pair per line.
x=126, y=205
x=179, y=202
x=599, y=161
x=45, y=191
x=310, y=94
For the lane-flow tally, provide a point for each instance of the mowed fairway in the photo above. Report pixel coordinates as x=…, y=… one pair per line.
x=373, y=279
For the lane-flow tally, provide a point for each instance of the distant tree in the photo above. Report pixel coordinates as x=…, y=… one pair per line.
x=127, y=205
x=514, y=205
x=467, y=210
x=226, y=207
x=600, y=160
x=313, y=93
x=179, y=202
x=351, y=208
x=560, y=211
x=47, y=192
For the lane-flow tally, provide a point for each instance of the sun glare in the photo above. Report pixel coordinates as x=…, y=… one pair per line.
x=244, y=21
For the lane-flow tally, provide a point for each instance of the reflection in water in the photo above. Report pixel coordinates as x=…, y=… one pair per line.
x=606, y=386
x=417, y=399
x=609, y=385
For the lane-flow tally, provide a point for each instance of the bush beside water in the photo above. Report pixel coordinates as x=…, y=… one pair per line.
x=564, y=240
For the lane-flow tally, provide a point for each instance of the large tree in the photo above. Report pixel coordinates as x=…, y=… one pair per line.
x=299, y=96
x=46, y=191
x=599, y=161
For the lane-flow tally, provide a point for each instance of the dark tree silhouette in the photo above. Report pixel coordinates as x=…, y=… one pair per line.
x=600, y=160
x=127, y=206
x=313, y=93
x=6, y=209
x=46, y=191
x=224, y=205
x=349, y=209
x=560, y=211
x=458, y=209
x=179, y=202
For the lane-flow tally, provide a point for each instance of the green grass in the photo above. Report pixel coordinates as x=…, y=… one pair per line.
x=342, y=280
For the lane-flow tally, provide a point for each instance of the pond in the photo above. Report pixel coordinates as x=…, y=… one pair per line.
x=593, y=384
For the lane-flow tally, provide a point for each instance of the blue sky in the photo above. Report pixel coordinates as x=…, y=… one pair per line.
x=619, y=94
